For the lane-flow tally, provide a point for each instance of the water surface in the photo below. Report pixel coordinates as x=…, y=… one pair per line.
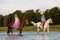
x=31, y=36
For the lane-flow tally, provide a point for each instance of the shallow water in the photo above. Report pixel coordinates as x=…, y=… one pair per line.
x=31, y=36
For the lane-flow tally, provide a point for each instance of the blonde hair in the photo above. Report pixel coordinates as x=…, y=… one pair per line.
x=15, y=15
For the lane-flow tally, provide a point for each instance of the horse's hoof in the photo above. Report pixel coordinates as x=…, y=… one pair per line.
x=21, y=35
x=8, y=34
x=38, y=33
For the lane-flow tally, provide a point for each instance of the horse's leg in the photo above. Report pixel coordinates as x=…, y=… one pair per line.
x=48, y=29
x=38, y=29
x=11, y=31
x=44, y=29
x=20, y=32
x=8, y=31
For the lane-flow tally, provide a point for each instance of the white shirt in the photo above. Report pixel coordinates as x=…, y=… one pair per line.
x=16, y=19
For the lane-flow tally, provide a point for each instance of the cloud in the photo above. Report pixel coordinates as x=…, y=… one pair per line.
x=9, y=6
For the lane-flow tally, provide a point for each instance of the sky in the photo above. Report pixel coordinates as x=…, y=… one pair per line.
x=9, y=6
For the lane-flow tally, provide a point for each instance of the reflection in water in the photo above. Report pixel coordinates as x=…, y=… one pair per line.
x=12, y=38
x=45, y=37
x=31, y=36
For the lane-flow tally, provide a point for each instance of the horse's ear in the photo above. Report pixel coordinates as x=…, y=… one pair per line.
x=49, y=18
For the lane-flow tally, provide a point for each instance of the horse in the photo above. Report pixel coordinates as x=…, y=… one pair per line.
x=23, y=22
x=40, y=25
x=37, y=25
x=46, y=25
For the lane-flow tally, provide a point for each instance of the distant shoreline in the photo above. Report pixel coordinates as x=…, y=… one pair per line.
x=52, y=28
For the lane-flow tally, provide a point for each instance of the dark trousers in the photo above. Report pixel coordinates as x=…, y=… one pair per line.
x=43, y=24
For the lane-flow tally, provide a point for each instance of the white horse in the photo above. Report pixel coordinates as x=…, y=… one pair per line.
x=38, y=25
x=46, y=25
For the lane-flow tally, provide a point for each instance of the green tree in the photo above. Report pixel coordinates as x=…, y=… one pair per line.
x=1, y=20
x=19, y=13
x=52, y=13
x=30, y=15
x=5, y=21
x=38, y=15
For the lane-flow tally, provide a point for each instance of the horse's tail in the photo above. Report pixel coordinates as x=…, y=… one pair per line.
x=33, y=23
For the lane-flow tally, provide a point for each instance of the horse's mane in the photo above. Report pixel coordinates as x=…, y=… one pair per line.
x=22, y=20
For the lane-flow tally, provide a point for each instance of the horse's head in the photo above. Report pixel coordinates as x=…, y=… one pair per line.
x=50, y=20
x=26, y=21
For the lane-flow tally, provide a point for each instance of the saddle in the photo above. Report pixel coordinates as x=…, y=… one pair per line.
x=41, y=24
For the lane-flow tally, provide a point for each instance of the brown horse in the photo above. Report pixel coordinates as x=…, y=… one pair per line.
x=22, y=24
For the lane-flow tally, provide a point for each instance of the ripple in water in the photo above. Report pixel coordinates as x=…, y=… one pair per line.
x=31, y=36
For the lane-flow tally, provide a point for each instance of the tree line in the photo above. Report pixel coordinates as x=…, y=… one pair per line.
x=31, y=15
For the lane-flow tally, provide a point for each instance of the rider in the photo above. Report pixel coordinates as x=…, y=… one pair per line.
x=43, y=19
x=17, y=22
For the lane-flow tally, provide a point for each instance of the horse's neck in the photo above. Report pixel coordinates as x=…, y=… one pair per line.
x=47, y=21
x=23, y=21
